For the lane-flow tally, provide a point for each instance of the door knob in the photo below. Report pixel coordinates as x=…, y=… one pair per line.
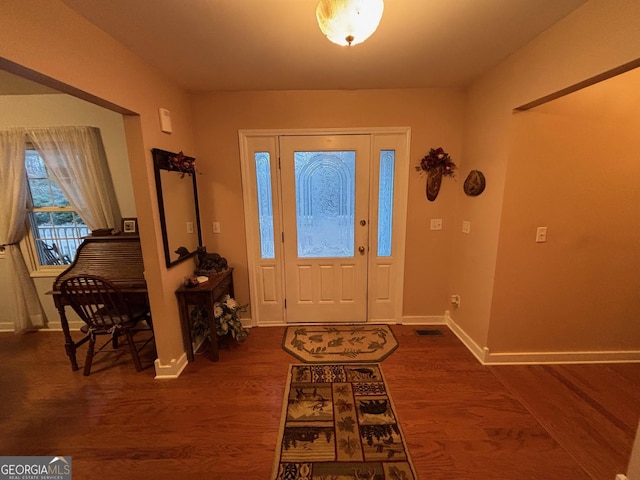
x=361, y=250
x=363, y=222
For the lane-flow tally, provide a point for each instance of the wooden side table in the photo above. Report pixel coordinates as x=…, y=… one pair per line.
x=204, y=295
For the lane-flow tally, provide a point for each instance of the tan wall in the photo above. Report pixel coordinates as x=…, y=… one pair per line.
x=76, y=53
x=597, y=37
x=435, y=118
x=573, y=167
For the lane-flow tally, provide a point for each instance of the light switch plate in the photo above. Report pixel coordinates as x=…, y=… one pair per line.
x=541, y=234
x=436, y=224
x=466, y=226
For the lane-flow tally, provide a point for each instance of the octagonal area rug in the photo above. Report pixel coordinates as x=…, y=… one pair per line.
x=340, y=343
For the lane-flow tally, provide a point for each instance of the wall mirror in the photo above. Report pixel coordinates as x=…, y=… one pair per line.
x=178, y=204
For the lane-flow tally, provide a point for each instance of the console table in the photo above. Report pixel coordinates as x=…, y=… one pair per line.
x=204, y=295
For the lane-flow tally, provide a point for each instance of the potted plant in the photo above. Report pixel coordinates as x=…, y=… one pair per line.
x=228, y=322
x=228, y=325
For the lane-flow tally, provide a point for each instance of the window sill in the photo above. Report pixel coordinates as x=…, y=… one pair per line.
x=48, y=273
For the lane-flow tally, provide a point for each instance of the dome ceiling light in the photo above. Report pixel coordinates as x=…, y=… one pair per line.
x=349, y=22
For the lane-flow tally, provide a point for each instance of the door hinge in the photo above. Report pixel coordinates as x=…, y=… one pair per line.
x=285, y=303
x=279, y=166
x=282, y=237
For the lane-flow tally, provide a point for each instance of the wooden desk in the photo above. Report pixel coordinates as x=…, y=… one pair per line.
x=204, y=295
x=117, y=258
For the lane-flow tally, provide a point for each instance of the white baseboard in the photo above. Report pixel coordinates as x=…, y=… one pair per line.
x=246, y=322
x=171, y=370
x=54, y=326
x=538, y=358
x=479, y=352
x=424, y=320
x=7, y=327
x=486, y=357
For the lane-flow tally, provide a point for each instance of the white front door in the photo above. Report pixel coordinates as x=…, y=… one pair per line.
x=325, y=210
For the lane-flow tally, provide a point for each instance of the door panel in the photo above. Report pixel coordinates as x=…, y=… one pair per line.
x=325, y=193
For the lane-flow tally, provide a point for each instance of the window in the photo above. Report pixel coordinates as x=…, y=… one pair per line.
x=385, y=202
x=56, y=228
x=265, y=208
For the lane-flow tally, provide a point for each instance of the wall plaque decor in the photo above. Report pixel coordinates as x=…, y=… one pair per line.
x=475, y=183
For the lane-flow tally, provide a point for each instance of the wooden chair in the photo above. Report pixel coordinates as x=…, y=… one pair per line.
x=105, y=311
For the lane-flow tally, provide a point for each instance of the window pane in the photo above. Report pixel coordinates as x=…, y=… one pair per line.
x=265, y=205
x=385, y=202
x=81, y=229
x=62, y=219
x=59, y=200
x=325, y=203
x=56, y=234
x=39, y=219
x=34, y=165
x=40, y=193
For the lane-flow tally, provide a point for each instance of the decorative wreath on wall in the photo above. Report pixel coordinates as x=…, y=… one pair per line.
x=437, y=163
x=437, y=159
x=181, y=163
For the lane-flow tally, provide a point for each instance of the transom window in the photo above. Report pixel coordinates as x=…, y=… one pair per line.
x=56, y=227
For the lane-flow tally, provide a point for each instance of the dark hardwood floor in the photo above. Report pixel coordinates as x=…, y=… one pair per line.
x=461, y=420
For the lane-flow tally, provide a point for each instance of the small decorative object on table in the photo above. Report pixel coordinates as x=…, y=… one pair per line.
x=102, y=232
x=190, y=281
x=209, y=263
x=436, y=163
x=130, y=226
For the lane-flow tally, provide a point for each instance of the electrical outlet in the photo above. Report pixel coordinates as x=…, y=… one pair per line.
x=541, y=234
x=216, y=227
x=455, y=300
x=436, y=224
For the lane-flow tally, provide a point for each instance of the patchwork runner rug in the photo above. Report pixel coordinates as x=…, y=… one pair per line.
x=339, y=344
x=338, y=423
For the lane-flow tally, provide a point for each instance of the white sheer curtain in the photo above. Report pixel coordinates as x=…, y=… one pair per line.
x=76, y=159
x=19, y=301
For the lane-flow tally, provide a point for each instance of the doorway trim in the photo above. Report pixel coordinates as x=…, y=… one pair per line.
x=266, y=275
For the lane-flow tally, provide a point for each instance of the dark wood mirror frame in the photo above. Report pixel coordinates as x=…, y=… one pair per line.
x=177, y=167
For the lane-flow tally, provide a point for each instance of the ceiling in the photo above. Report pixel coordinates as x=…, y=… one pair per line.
x=207, y=45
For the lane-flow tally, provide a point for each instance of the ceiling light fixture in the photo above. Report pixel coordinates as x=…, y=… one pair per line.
x=349, y=22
